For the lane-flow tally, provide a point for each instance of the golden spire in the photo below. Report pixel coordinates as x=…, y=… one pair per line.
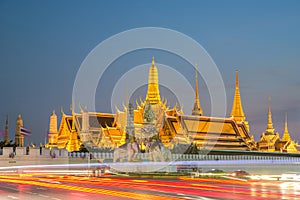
x=237, y=108
x=286, y=136
x=270, y=128
x=153, y=87
x=197, y=108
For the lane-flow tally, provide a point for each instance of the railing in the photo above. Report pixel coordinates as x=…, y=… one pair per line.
x=5, y=152
x=187, y=157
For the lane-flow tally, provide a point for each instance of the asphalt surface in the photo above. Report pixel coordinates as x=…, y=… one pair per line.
x=71, y=187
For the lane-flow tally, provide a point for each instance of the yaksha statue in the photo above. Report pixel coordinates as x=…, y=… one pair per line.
x=148, y=115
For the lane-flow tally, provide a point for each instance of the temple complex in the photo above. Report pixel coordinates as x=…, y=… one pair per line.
x=151, y=120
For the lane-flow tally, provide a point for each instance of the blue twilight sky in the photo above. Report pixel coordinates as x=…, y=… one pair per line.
x=43, y=43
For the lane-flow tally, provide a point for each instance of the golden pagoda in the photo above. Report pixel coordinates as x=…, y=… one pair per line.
x=270, y=129
x=286, y=135
x=287, y=144
x=237, y=109
x=269, y=139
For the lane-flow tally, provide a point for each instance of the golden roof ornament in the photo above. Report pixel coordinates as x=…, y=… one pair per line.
x=270, y=128
x=197, y=107
x=153, y=94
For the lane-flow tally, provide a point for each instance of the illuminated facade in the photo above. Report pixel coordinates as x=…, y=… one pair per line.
x=151, y=118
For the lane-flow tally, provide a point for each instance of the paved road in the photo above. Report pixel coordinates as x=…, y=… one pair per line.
x=75, y=188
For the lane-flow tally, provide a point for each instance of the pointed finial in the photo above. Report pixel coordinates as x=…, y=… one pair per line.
x=80, y=108
x=269, y=110
x=270, y=128
x=62, y=110
x=175, y=106
x=286, y=135
x=117, y=109
x=153, y=62
x=197, y=107
x=53, y=112
x=286, y=129
x=197, y=85
x=141, y=101
x=73, y=117
x=236, y=78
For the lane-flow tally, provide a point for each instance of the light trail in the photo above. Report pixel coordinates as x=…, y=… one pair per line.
x=139, y=188
x=131, y=195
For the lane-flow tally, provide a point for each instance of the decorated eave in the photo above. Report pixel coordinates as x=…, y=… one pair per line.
x=204, y=129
